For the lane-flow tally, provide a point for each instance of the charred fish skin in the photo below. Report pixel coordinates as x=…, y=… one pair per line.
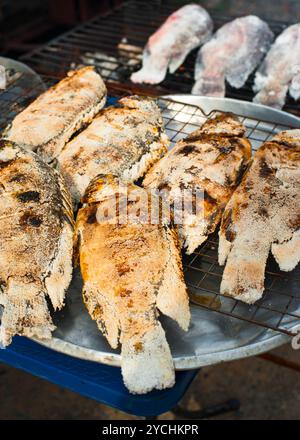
x=47, y=124
x=36, y=242
x=131, y=270
x=232, y=54
x=280, y=70
x=125, y=140
x=262, y=216
x=210, y=162
x=167, y=48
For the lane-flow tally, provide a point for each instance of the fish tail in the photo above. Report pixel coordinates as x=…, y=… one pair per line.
x=25, y=312
x=152, y=350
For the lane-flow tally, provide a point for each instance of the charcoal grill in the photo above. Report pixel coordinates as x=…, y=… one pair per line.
x=113, y=43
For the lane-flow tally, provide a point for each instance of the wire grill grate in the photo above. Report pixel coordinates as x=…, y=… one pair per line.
x=279, y=308
x=114, y=44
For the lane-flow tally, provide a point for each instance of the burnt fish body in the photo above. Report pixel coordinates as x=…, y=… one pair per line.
x=131, y=269
x=36, y=241
x=47, y=124
x=124, y=140
x=183, y=31
x=210, y=162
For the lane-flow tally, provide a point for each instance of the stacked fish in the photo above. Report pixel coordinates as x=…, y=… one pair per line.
x=231, y=54
x=66, y=153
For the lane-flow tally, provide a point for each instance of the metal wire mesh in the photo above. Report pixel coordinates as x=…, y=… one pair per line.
x=280, y=305
x=114, y=44
x=97, y=42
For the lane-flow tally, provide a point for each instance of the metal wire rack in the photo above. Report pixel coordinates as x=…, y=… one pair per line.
x=114, y=43
x=280, y=305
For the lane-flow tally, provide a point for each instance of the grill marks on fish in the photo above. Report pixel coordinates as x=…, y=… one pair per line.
x=131, y=271
x=124, y=140
x=262, y=216
x=35, y=243
x=49, y=122
x=233, y=53
x=167, y=48
x=206, y=163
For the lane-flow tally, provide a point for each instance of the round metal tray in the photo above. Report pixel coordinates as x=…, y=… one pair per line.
x=212, y=337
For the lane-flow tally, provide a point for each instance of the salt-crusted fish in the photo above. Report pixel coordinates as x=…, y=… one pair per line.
x=232, y=54
x=262, y=215
x=131, y=268
x=36, y=241
x=47, y=124
x=280, y=70
x=124, y=140
x=210, y=162
x=168, y=47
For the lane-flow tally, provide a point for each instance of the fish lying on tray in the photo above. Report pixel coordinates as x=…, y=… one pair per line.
x=232, y=54
x=131, y=269
x=125, y=140
x=168, y=47
x=210, y=160
x=280, y=70
x=36, y=242
x=262, y=215
x=49, y=122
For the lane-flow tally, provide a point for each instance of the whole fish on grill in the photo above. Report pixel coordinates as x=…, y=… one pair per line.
x=36, y=241
x=47, y=124
x=167, y=48
x=209, y=162
x=131, y=269
x=124, y=140
x=262, y=215
x=232, y=54
x=280, y=71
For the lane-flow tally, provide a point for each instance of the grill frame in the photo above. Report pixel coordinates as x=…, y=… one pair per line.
x=137, y=20
x=12, y=101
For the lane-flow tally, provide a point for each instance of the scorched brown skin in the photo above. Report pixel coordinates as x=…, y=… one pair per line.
x=36, y=232
x=130, y=271
x=262, y=215
x=210, y=160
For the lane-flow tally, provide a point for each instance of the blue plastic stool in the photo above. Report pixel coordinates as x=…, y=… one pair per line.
x=96, y=381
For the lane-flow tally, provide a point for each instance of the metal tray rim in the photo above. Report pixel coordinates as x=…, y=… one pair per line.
x=271, y=339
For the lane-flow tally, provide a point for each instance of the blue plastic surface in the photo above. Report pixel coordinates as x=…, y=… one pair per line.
x=102, y=383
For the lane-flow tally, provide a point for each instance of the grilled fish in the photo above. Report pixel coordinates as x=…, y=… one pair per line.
x=124, y=140
x=280, y=71
x=131, y=268
x=168, y=47
x=262, y=215
x=232, y=54
x=36, y=241
x=49, y=122
x=210, y=162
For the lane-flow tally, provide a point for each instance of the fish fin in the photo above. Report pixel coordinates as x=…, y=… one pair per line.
x=244, y=273
x=287, y=254
x=153, y=71
x=149, y=75
x=103, y=312
x=295, y=87
x=25, y=312
x=151, y=350
x=172, y=298
x=60, y=272
x=224, y=249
